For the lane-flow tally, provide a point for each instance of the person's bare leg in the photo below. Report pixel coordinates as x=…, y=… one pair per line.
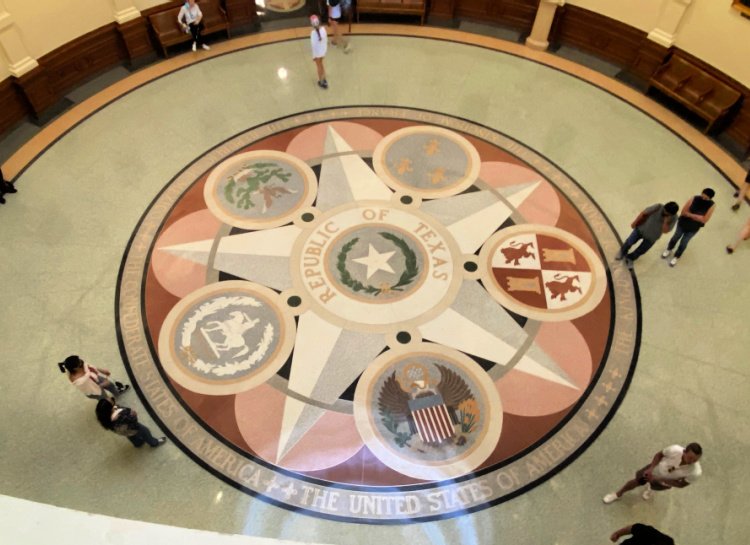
x=740, y=194
x=628, y=486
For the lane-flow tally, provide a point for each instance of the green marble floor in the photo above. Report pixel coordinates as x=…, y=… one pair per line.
x=65, y=232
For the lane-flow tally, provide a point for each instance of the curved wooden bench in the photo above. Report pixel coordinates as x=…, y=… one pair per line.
x=699, y=91
x=168, y=32
x=399, y=7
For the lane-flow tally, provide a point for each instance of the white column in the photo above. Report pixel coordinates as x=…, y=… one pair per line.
x=545, y=14
x=669, y=20
x=125, y=11
x=19, y=60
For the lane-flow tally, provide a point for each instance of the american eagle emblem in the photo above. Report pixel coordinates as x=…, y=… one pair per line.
x=410, y=404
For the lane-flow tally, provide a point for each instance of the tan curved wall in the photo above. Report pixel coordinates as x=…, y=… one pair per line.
x=641, y=14
x=45, y=25
x=710, y=29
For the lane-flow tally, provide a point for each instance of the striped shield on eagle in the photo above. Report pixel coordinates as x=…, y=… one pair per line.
x=430, y=411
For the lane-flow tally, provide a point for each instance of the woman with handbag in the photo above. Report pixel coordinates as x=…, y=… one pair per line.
x=92, y=382
x=124, y=421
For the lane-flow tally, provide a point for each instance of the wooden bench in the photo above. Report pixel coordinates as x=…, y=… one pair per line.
x=699, y=91
x=168, y=32
x=399, y=7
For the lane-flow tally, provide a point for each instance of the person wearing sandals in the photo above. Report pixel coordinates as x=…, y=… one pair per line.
x=334, y=16
x=744, y=235
x=94, y=383
x=124, y=421
x=741, y=192
x=319, y=46
x=190, y=18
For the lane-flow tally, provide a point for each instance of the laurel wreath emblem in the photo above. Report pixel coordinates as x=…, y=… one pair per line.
x=407, y=277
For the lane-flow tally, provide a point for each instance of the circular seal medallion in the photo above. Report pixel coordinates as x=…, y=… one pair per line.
x=334, y=336
x=259, y=189
x=376, y=264
x=225, y=338
x=543, y=272
x=429, y=412
x=430, y=162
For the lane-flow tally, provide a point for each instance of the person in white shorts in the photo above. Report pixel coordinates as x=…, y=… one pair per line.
x=334, y=16
x=319, y=46
x=673, y=467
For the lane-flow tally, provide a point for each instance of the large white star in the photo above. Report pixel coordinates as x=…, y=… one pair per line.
x=375, y=261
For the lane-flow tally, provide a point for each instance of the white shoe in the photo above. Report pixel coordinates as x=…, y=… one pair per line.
x=347, y=49
x=195, y=46
x=673, y=261
x=610, y=498
x=204, y=46
x=666, y=253
x=647, y=493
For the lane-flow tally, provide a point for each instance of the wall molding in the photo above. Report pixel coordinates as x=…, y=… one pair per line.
x=130, y=43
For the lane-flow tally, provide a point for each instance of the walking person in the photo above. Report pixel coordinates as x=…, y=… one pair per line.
x=651, y=223
x=744, y=235
x=673, y=467
x=124, y=421
x=334, y=16
x=694, y=215
x=319, y=46
x=190, y=18
x=741, y=192
x=92, y=382
x=642, y=534
x=5, y=187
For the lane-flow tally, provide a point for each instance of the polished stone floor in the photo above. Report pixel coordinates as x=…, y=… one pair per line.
x=82, y=198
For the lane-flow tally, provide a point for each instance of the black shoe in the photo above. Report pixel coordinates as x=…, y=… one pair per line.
x=735, y=207
x=159, y=442
x=9, y=188
x=323, y=84
x=730, y=250
x=2, y=199
x=122, y=388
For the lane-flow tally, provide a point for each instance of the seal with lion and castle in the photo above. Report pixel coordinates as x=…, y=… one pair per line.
x=377, y=315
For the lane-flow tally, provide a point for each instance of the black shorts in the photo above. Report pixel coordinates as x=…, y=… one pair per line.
x=640, y=477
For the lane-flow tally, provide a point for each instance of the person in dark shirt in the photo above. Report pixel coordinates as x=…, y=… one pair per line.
x=651, y=223
x=694, y=215
x=5, y=187
x=641, y=535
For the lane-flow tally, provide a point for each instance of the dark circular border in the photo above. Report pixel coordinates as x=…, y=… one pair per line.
x=485, y=133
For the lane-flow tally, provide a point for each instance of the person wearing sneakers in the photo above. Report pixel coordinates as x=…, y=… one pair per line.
x=334, y=16
x=124, y=421
x=319, y=46
x=92, y=382
x=650, y=224
x=741, y=192
x=190, y=18
x=694, y=215
x=673, y=467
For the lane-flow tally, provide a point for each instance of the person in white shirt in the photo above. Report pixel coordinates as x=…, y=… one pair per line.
x=334, y=16
x=319, y=46
x=673, y=467
x=92, y=382
x=190, y=18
